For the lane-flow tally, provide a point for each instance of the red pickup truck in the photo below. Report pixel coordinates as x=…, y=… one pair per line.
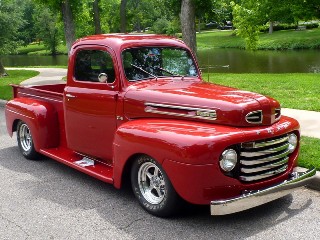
x=135, y=107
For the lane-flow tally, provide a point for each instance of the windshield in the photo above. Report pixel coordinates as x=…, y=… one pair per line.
x=154, y=62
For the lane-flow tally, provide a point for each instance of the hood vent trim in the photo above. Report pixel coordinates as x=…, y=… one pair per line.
x=277, y=115
x=181, y=111
x=255, y=117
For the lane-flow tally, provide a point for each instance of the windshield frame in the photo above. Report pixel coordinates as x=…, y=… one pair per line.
x=152, y=75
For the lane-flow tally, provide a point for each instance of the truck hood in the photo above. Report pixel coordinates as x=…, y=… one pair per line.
x=199, y=101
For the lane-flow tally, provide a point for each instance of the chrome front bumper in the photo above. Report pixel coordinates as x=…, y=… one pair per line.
x=259, y=197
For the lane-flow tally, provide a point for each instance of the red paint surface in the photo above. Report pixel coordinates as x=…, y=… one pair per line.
x=110, y=123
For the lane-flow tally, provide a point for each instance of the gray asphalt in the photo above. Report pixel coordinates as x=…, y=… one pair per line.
x=47, y=200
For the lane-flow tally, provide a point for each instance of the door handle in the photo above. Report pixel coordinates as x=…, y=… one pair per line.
x=70, y=95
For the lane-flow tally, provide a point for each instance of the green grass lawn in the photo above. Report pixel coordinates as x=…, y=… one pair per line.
x=309, y=153
x=292, y=90
x=15, y=77
x=279, y=40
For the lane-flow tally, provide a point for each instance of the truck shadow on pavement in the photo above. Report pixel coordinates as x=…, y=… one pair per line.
x=56, y=183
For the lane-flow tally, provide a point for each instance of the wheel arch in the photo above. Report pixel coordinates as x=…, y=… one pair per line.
x=162, y=140
x=41, y=117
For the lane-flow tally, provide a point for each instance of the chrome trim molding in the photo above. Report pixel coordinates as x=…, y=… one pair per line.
x=263, y=175
x=277, y=114
x=199, y=113
x=255, y=117
x=259, y=197
x=265, y=167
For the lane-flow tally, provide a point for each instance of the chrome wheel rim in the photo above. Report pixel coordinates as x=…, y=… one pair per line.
x=25, y=137
x=151, y=183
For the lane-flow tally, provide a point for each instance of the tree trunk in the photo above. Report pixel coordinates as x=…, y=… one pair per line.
x=96, y=17
x=270, y=27
x=123, y=18
x=69, y=30
x=2, y=70
x=188, y=26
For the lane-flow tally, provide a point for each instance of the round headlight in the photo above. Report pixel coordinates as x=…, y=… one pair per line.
x=293, y=142
x=228, y=160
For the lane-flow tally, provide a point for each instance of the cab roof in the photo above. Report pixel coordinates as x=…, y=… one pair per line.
x=118, y=42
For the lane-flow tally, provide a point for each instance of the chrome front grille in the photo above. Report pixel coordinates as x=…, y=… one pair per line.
x=264, y=159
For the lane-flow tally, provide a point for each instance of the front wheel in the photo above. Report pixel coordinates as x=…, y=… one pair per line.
x=25, y=141
x=153, y=188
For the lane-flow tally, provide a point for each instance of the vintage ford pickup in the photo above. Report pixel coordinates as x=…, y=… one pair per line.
x=135, y=107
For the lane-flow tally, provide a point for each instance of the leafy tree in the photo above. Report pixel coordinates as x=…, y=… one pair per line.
x=10, y=22
x=46, y=26
x=247, y=21
x=27, y=33
x=65, y=8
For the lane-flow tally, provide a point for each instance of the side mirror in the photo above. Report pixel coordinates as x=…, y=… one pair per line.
x=103, y=77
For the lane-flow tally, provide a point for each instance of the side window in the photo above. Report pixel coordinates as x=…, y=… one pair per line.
x=94, y=66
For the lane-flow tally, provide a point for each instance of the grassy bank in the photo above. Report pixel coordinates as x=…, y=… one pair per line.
x=40, y=49
x=15, y=77
x=293, y=90
x=279, y=40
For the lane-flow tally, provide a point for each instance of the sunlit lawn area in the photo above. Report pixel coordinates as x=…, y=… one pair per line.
x=15, y=77
x=309, y=153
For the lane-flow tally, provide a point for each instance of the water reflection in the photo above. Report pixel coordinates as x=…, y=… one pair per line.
x=34, y=60
x=218, y=60
x=240, y=61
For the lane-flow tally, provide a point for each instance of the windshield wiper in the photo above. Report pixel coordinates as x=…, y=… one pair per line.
x=171, y=73
x=144, y=71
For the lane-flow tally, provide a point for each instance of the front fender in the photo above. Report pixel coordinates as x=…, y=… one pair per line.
x=175, y=140
x=189, y=152
x=41, y=118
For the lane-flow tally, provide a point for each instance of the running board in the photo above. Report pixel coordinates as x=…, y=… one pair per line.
x=84, y=164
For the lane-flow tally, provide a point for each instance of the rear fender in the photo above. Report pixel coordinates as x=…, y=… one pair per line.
x=41, y=118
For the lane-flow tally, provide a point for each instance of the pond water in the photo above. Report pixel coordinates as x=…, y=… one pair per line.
x=34, y=60
x=241, y=61
x=215, y=60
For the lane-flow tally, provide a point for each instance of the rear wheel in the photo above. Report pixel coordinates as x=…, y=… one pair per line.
x=153, y=188
x=25, y=141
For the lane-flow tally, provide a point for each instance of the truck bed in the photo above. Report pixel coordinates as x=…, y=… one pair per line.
x=45, y=92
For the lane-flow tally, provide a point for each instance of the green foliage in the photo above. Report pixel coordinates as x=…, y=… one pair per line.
x=46, y=25
x=160, y=26
x=27, y=32
x=10, y=22
x=286, y=26
x=246, y=20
